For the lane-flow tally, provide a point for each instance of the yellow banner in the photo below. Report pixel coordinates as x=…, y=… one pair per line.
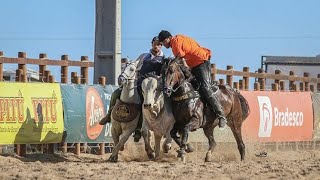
x=30, y=113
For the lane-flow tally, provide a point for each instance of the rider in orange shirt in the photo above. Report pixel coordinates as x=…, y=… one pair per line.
x=198, y=60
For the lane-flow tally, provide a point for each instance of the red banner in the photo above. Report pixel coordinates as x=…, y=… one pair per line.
x=278, y=116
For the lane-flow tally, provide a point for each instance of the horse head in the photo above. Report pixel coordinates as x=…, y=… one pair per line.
x=151, y=89
x=173, y=76
x=128, y=74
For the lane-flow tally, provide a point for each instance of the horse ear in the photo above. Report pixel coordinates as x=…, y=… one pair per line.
x=177, y=59
x=158, y=77
x=163, y=61
x=160, y=81
x=166, y=61
x=137, y=62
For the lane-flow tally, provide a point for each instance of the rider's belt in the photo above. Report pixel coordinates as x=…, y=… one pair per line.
x=186, y=96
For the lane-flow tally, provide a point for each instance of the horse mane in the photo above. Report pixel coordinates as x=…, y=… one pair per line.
x=185, y=70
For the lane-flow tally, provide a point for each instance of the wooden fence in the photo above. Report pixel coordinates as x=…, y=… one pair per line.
x=43, y=62
x=260, y=77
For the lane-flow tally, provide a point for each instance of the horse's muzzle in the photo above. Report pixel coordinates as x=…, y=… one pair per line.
x=121, y=80
x=147, y=106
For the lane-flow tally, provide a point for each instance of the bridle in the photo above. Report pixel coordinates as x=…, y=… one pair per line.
x=170, y=88
x=125, y=76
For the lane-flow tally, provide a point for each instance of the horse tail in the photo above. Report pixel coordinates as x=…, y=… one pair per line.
x=244, y=106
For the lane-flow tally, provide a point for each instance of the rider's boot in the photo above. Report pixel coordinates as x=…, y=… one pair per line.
x=137, y=132
x=215, y=105
x=115, y=95
x=107, y=118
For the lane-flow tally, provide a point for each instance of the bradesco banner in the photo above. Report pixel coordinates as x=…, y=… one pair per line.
x=84, y=106
x=278, y=116
x=30, y=113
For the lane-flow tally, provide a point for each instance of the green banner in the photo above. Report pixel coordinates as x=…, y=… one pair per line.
x=83, y=107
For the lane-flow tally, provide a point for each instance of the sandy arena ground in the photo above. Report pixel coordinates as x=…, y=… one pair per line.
x=135, y=165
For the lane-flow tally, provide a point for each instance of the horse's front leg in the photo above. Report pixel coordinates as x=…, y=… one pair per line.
x=184, y=139
x=147, y=140
x=173, y=134
x=116, y=132
x=124, y=137
x=166, y=146
x=157, y=139
x=208, y=131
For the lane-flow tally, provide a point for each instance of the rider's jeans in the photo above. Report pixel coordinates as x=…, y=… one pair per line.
x=202, y=74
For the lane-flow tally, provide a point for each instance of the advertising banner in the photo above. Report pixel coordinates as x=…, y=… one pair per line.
x=30, y=113
x=278, y=116
x=84, y=106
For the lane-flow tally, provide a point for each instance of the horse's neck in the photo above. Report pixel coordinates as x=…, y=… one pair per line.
x=184, y=88
x=159, y=99
x=129, y=93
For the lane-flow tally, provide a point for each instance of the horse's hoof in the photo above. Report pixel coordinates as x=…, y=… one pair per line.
x=189, y=148
x=152, y=156
x=183, y=159
x=181, y=153
x=113, y=159
x=157, y=158
x=208, y=157
x=122, y=148
x=166, y=149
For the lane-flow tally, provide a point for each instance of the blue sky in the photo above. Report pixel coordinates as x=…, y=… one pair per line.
x=237, y=32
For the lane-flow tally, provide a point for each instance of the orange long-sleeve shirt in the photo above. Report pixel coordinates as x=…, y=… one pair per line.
x=185, y=47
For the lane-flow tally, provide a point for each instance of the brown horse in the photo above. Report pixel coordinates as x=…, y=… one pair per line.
x=191, y=114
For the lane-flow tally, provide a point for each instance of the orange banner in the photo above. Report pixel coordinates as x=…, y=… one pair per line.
x=278, y=116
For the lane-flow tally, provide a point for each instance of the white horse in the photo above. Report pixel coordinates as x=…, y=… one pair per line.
x=129, y=97
x=157, y=116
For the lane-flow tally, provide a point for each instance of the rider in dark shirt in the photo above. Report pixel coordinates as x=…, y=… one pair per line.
x=149, y=63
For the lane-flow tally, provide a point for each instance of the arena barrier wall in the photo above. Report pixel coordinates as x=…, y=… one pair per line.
x=274, y=117
x=30, y=113
x=84, y=106
x=316, y=115
x=278, y=116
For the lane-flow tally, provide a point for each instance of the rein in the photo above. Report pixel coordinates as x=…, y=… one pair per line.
x=171, y=77
x=185, y=95
x=126, y=76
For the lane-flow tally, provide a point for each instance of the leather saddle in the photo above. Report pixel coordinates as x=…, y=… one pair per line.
x=125, y=112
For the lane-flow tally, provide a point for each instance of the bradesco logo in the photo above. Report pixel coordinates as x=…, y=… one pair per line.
x=94, y=112
x=265, y=107
x=273, y=116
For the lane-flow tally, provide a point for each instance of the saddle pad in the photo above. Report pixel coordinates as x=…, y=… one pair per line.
x=125, y=112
